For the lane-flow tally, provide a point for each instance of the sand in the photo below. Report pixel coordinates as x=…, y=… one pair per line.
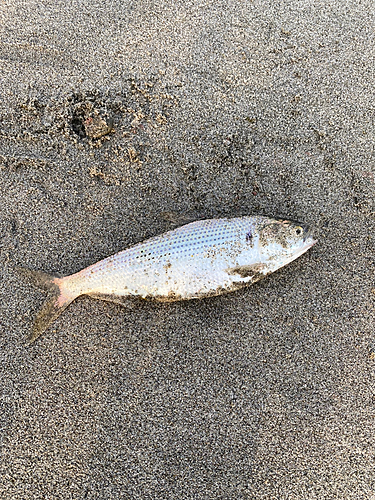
x=119, y=120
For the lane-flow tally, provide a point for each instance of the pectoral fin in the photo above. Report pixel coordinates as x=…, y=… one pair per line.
x=252, y=272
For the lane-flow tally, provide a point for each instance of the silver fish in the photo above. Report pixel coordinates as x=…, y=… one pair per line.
x=200, y=259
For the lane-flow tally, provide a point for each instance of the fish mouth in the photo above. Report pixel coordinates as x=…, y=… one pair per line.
x=309, y=242
x=308, y=236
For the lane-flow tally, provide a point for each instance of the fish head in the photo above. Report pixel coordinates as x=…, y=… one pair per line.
x=282, y=241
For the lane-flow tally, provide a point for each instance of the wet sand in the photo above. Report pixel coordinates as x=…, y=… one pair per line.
x=117, y=122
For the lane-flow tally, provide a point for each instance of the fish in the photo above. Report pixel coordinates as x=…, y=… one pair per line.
x=201, y=259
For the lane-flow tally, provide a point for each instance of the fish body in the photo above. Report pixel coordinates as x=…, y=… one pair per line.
x=201, y=259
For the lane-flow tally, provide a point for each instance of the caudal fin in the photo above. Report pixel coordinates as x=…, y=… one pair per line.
x=59, y=297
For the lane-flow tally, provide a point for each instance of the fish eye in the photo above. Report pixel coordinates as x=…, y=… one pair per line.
x=299, y=230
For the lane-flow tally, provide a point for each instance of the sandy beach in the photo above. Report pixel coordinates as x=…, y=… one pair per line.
x=121, y=120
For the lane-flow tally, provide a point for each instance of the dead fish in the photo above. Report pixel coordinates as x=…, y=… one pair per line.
x=200, y=259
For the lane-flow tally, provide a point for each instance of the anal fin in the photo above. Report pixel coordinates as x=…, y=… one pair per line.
x=122, y=300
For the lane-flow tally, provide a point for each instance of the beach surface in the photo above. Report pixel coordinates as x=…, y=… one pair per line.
x=122, y=120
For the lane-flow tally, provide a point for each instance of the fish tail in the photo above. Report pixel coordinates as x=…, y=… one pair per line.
x=59, y=297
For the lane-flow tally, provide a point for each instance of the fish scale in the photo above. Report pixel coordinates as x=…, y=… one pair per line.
x=201, y=259
x=187, y=262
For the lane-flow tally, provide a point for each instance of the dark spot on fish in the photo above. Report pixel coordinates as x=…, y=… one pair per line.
x=249, y=237
x=243, y=271
x=167, y=266
x=238, y=285
x=254, y=270
x=291, y=222
x=275, y=233
x=171, y=297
